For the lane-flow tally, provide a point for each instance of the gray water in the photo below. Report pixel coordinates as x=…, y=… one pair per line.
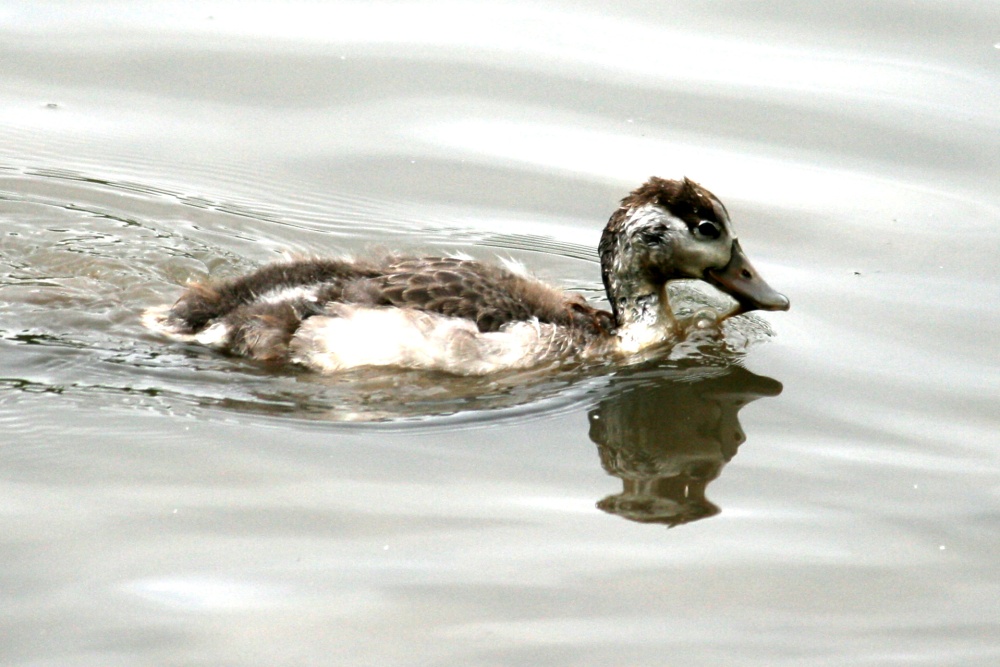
x=821, y=489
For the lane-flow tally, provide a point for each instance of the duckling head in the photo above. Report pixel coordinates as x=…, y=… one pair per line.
x=668, y=230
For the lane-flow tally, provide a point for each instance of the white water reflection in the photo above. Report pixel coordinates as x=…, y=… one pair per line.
x=201, y=594
x=568, y=39
x=565, y=144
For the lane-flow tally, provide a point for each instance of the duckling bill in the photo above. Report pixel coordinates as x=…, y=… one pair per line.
x=473, y=318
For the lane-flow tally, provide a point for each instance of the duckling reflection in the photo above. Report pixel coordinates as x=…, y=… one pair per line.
x=667, y=437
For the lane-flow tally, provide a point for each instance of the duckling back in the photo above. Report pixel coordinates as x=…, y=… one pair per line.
x=447, y=314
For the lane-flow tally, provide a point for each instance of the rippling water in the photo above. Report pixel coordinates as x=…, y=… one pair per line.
x=161, y=504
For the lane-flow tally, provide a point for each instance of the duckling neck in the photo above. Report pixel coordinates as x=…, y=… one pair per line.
x=645, y=319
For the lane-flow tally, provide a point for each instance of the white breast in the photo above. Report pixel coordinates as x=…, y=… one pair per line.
x=353, y=336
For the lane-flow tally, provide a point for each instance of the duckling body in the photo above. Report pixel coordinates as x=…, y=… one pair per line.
x=469, y=317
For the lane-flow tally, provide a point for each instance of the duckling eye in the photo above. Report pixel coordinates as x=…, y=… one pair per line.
x=708, y=229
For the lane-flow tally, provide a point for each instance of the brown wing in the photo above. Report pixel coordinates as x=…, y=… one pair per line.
x=481, y=293
x=489, y=295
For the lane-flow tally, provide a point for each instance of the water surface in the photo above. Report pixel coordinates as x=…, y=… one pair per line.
x=831, y=474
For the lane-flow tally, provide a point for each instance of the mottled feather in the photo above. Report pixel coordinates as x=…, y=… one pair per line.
x=262, y=311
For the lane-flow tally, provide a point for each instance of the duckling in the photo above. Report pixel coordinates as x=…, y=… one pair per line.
x=468, y=317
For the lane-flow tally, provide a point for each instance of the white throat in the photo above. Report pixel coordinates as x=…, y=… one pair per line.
x=647, y=320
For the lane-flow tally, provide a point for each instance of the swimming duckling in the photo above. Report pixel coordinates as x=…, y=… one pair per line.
x=473, y=318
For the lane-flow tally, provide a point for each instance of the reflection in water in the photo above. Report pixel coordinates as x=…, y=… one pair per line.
x=83, y=255
x=667, y=437
x=78, y=272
